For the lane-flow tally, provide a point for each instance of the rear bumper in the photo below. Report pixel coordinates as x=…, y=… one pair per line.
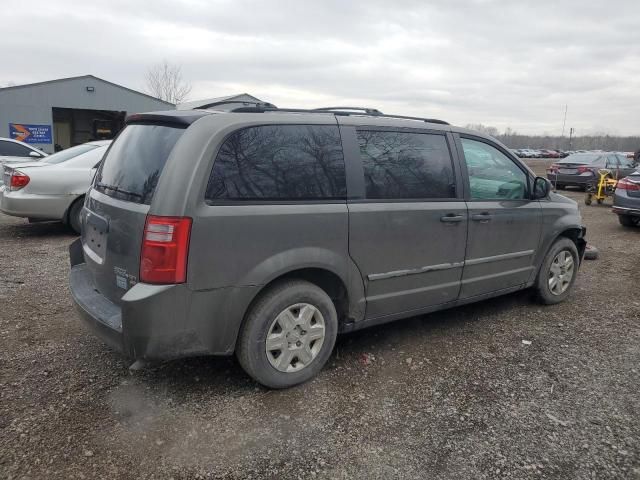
x=634, y=212
x=624, y=204
x=103, y=317
x=150, y=322
x=159, y=322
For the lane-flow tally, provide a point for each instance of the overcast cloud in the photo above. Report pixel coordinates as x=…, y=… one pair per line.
x=505, y=63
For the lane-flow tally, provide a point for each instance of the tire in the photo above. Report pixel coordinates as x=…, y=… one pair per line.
x=543, y=288
x=265, y=317
x=628, y=220
x=75, y=211
x=560, y=186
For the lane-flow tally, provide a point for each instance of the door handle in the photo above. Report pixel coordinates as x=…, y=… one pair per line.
x=481, y=217
x=451, y=218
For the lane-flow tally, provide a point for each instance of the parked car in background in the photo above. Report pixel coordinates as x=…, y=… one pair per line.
x=12, y=151
x=529, y=153
x=549, y=153
x=267, y=232
x=53, y=188
x=581, y=169
x=626, y=200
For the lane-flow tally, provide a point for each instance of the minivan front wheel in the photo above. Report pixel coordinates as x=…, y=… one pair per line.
x=558, y=272
x=288, y=335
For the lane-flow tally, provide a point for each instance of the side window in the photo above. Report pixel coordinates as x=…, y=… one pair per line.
x=625, y=162
x=279, y=162
x=12, y=149
x=401, y=165
x=492, y=175
x=612, y=161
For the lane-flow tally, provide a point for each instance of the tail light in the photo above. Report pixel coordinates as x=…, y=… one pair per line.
x=554, y=167
x=18, y=180
x=584, y=170
x=628, y=185
x=165, y=249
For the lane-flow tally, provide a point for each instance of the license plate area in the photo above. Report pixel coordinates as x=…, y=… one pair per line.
x=95, y=236
x=567, y=171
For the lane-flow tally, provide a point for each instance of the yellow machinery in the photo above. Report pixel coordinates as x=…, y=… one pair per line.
x=604, y=188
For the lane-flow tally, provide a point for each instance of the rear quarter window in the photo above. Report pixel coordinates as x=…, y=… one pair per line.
x=279, y=163
x=132, y=167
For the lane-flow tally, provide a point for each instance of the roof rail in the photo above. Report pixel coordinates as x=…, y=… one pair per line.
x=243, y=102
x=426, y=120
x=346, y=111
x=368, y=111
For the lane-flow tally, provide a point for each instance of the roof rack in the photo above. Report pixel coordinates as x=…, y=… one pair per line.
x=368, y=111
x=346, y=111
x=231, y=102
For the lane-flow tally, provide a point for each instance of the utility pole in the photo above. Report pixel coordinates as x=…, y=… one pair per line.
x=571, y=132
x=564, y=122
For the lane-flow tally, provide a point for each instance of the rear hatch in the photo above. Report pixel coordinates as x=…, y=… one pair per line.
x=118, y=202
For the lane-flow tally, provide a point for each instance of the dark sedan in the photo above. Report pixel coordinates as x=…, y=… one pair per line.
x=581, y=169
x=626, y=201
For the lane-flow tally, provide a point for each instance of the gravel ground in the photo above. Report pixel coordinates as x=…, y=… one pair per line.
x=456, y=394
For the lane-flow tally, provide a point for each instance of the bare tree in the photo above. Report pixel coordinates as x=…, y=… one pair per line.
x=164, y=81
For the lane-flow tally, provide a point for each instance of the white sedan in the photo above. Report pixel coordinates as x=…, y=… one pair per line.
x=54, y=187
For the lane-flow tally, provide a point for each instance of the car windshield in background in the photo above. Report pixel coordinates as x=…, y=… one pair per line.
x=68, y=154
x=131, y=169
x=581, y=158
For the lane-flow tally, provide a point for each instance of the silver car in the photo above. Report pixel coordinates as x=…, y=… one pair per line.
x=266, y=232
x=52, y=188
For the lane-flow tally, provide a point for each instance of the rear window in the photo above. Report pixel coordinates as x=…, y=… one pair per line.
x=68, y=154
x=132, y=167
x=279, y=163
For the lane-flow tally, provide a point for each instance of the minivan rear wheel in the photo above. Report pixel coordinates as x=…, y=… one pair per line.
x=288, y=335
x=558, y=272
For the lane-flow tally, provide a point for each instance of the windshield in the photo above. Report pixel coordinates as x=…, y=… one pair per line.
x=581, y=158
x=68, y=154
x=132, y=167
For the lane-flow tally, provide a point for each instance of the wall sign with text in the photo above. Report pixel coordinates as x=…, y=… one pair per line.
x=30, y=133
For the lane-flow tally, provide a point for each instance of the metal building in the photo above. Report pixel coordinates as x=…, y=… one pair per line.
x=69, y=111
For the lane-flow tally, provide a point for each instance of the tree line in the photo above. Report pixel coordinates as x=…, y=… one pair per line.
x=513, y=139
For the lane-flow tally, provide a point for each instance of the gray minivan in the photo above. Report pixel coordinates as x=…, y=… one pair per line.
x=266, y=232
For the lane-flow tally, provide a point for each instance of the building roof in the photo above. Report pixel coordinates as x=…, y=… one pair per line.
x=212, y=102
x=57, y=80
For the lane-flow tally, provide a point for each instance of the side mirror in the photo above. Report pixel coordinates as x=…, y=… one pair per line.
x=541, y=188
x=34, y=154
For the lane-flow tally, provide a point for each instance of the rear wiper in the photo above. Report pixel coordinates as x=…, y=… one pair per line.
x=117, y=189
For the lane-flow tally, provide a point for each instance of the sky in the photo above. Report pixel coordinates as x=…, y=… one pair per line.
x=504, y=63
